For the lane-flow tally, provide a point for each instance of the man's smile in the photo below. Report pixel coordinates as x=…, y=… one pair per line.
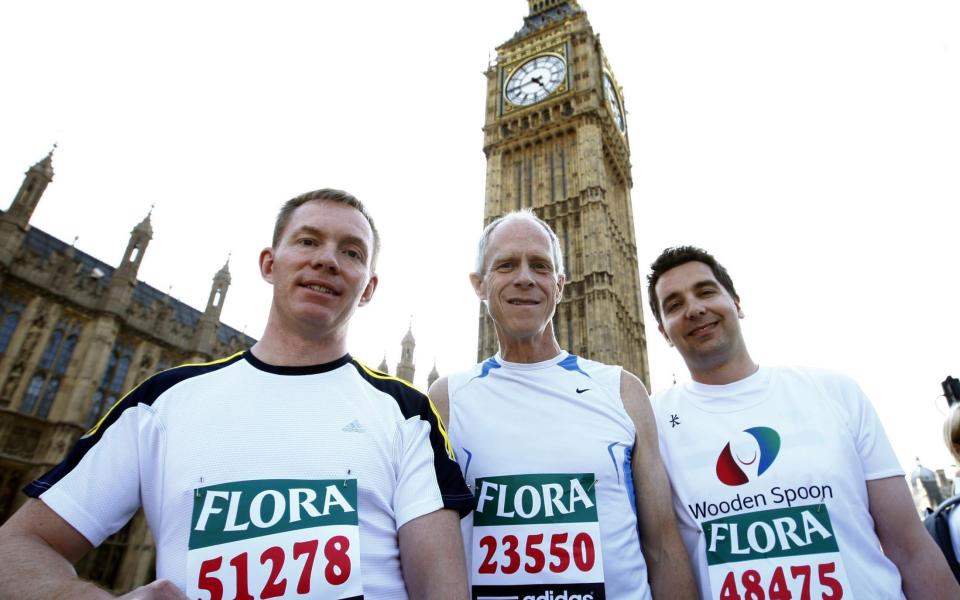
x=700, y=330
x=320, y=288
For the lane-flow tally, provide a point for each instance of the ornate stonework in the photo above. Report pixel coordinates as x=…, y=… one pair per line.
x=560, y=151
x=75, y=334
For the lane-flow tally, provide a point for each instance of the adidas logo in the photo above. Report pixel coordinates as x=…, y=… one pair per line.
x=354, y=427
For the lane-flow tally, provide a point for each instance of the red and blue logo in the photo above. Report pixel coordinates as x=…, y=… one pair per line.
x=748, y=455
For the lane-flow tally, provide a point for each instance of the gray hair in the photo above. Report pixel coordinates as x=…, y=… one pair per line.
x=519, y=215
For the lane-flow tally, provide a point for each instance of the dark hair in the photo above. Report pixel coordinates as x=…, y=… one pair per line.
x=325, y=195
x=681, y=255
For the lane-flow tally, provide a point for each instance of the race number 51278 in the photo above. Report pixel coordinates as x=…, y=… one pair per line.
x=271, y=562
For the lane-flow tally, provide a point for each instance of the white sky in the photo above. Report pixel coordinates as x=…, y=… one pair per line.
x=812, y=146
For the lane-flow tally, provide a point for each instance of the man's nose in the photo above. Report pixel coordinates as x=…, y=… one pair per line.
x=695, y=308
x=524, y=275
x=325, y=257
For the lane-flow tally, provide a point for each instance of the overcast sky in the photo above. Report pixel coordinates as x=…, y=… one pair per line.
x=813, y=146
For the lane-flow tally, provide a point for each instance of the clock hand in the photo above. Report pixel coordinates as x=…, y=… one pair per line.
x=538, y=80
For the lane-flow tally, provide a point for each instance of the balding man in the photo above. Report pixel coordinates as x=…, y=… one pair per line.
x=561, y=451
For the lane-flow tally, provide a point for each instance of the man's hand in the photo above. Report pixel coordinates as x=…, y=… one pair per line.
x=158, y=590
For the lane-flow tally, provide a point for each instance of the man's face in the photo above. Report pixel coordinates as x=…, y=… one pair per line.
x=519, y=285
x=320, y=268
x=700, y=318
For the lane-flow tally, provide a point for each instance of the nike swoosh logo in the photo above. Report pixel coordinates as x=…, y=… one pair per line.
x=579, y=391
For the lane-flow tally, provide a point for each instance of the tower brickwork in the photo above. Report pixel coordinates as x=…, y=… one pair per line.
x=406, y=366
x=556, y=142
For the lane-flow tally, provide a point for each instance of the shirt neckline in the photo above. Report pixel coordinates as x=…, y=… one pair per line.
x=532, y=366
x=296, y=370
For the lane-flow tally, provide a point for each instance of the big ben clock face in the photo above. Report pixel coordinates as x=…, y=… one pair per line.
x=614, y=101
x=535, y=80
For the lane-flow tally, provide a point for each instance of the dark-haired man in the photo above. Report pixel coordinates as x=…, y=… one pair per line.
x=290, y=470
x=560, y=450
x=785, y=483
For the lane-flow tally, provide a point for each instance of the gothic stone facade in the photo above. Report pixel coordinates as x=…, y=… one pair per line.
x=75, y=334
x=556, y=142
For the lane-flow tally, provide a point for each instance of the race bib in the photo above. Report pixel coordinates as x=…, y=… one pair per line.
x=275, y=538
x=537, y=537
x=776, y=555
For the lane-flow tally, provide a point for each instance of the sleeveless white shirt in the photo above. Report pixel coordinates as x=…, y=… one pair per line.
x=546, y=447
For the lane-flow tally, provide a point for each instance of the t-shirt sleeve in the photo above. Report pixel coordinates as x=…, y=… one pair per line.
x=873, y=447
x=427, y=463
x=97, y=486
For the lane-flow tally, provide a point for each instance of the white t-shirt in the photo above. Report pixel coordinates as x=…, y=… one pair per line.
x=547, y=449
x=264, y=478
x=769, y=475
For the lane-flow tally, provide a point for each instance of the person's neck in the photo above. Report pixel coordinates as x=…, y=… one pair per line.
x=728, y=372
x=529, y=350
x=282, y=347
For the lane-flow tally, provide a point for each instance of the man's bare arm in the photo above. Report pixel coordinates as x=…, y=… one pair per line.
x=923, y=568
x=668, y=564
x=441, y=399
x=431, y=556
x=37, y=552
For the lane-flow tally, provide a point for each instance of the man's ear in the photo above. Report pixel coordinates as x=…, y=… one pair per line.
x=367, y=294
x=736, y=302
x=664, y=334
x=476, y=280
x=561, y=281
x=266, y=264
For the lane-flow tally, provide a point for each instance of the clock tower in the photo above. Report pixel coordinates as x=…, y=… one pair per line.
x=556, y=142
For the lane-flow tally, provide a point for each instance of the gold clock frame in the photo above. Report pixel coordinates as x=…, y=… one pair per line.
x=561, y=51
x=619, y=97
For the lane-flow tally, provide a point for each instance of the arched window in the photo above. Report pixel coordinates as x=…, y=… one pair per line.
x=43, y=387
x=111, y=384
x=32, y=393
x=10, y=311
x=7, y=327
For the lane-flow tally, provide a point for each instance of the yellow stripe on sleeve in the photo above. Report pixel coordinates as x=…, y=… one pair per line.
x=95, y=428
x=433, y=409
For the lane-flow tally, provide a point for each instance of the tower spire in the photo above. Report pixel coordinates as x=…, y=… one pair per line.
x=406, y=368
x=25, y=202
x=140, y=238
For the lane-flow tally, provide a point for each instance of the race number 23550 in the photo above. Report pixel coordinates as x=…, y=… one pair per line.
x=537, y=553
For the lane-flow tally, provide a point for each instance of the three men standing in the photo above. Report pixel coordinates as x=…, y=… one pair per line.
x=561, y=451
x=785, y=483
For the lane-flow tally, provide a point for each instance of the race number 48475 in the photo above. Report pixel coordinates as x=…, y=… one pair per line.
x=797, y=582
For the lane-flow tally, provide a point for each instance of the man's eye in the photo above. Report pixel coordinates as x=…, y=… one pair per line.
x=504, y=266
x=353, y=254
x=305, y=242
x=671, y=307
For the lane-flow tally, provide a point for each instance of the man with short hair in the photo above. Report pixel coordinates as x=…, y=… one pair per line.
x=289, y=470
x=785, y=484
x=561, y=451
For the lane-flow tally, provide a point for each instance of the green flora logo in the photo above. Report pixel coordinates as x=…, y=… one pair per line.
x=540, y=498
x=247, y=509
x=794, y=531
